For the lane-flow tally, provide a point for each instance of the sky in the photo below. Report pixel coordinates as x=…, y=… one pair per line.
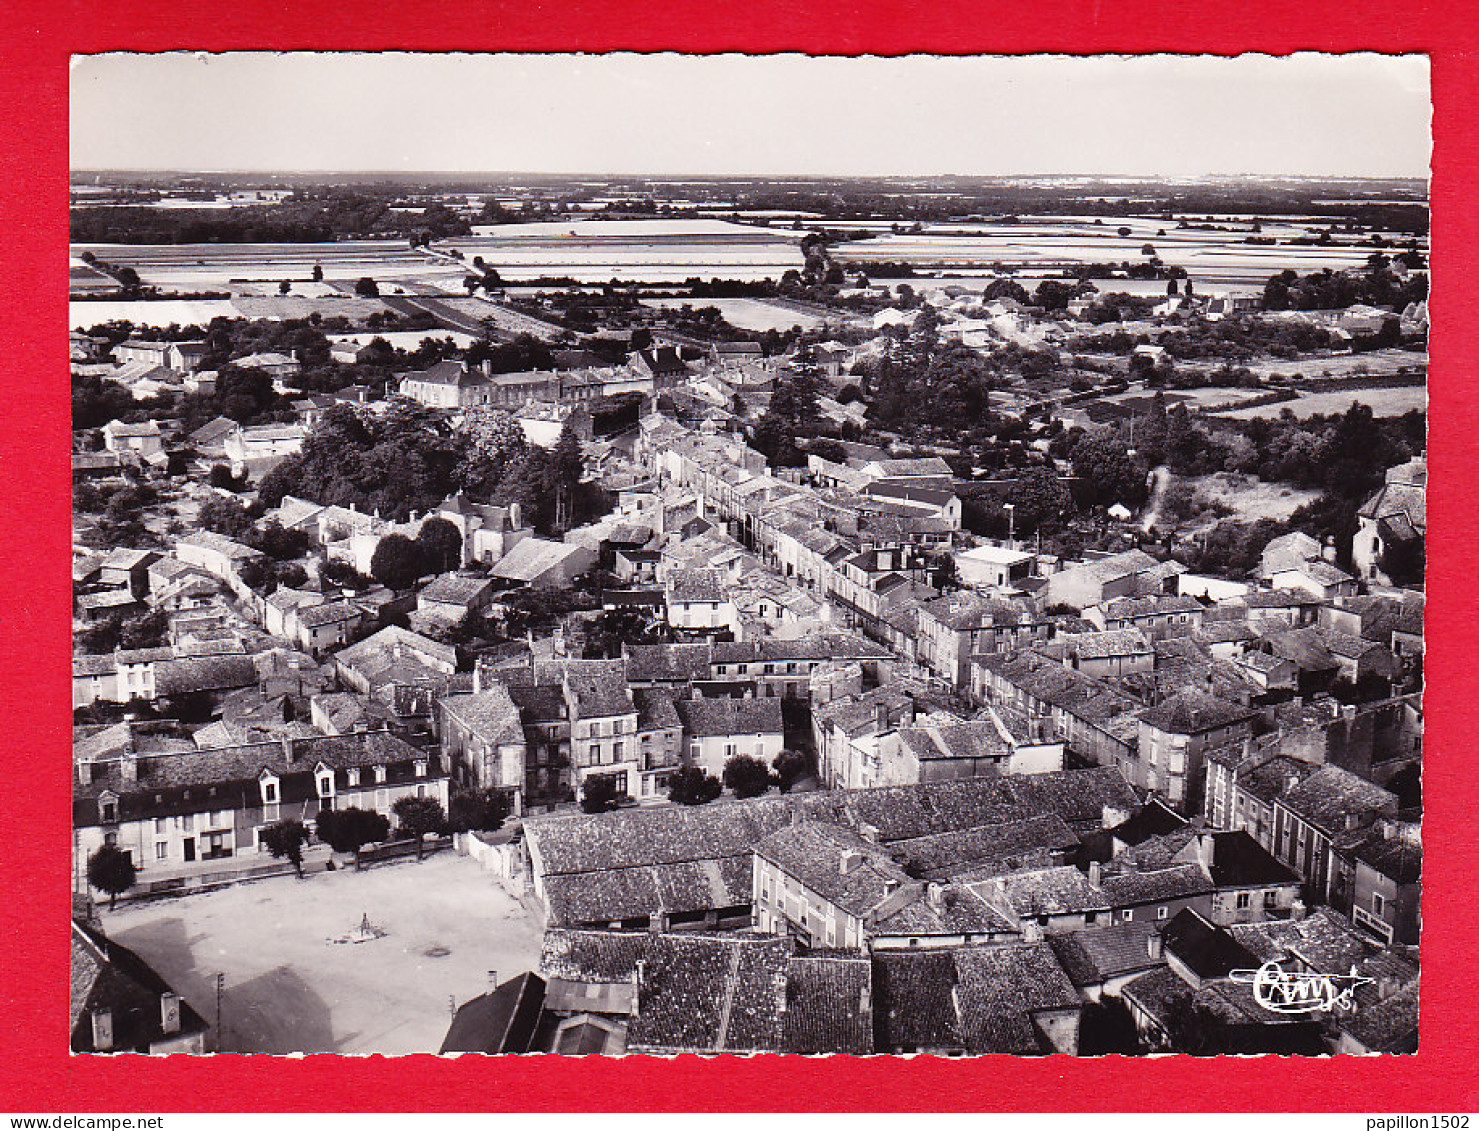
x=1157, y=115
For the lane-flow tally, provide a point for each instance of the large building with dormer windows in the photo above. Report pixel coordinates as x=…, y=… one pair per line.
x=180, y=815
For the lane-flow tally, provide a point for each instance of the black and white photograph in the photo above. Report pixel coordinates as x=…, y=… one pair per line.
x=605, y=554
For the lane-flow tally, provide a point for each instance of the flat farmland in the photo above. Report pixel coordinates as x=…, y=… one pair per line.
x=1383, y=402
x=214, y=266
x=289, y=988
x=596, y=251
x=745, y=313
x=1250, y=498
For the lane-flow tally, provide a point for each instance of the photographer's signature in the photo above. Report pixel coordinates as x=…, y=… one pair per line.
x=1280, y=991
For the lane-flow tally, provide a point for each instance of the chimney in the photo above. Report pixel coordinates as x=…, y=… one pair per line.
x=1096, y=872
x=289, y=752
x=128, y=767
x=1296, y=911
x=1352, y=821
x=1155, y=946
x=102, y=1030
x=84, y=772
x=1388, y=830
x=1031, y=931
x=781, y=986
x=850, y=862
x=1290, y=781
x=169, y=1013
x=492, y=980
x=936, y=895
x=889, y=887
x=639, y=973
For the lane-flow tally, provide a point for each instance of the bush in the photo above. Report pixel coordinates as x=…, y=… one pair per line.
x=348, y=830
x=746, y=776
x=598, y=795
x=691, y=786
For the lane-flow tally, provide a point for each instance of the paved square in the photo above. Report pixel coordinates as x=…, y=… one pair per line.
x=288, y=989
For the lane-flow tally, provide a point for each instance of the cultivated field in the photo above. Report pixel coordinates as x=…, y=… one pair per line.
x=289, y=989
x=1383, y=402
x=196, y=267
x=745, y=313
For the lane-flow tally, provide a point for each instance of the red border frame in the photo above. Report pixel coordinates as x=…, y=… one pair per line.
x=34, y=628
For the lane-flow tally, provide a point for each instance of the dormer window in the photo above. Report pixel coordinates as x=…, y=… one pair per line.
x=352, y=776
x=379, y=775
x=270, y=786
x=324, y=777
x=108, y=808
x=421, y=767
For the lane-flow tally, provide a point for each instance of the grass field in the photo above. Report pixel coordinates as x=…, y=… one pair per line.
x=1251, y=498
x=1383, y=402
x=288, y=989
x=745, y=313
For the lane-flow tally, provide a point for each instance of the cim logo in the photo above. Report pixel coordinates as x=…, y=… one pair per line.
x=1279, y=991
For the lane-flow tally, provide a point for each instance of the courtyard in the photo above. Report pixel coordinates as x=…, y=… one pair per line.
x=288, y=988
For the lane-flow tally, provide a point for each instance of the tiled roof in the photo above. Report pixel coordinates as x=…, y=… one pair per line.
x=1131, y=889
x=490, y=714
x=531, y=558
x=932, y=741
x=951, y=854
x=501, y=1021
x=638, y=837
x=1272, y=779
x=1207, y=950
x=1093, y=957
x=453, y=589
x=1395, y=856
x=1133, y=608
x=1000, y=988
x=829, y=1005
x=914, y=1003
x=1325, y=940
x=1387, y=1025
x=812, y=854
x=697, y=585
x=106, y=975
x=1045, y=891
x=212, y=673
x=335, y=612
x=655, y=709
x=717, y=718
x=1331, y=794
x=599, y=687
x=1191, y=712
x=1106, y=645
x=1240, y=861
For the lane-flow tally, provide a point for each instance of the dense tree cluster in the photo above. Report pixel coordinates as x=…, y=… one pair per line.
x=1377, y=285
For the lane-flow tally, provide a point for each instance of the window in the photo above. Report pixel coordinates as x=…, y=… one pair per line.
x=1127, y=916
x=269, y=792
x=326, y=785
x=161, y=850
x=1270, y=899
x=187, y=822
x=351, y=777
x=596, y=753
x=1245, y=900
x=109, y=812
x=379, y=775
x=617, y=750
x=159, y=824
x=1162, y=912
x=421, y=767
x=1378, y=904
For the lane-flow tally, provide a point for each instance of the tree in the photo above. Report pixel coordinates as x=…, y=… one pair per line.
x=367, y=288
x=348, y=830
x=479, y=810
x=284, y=287
x=285, y=840
x=790, y=767
x=495, y=441
x=691, y=786
x=1039, y=500
x=112, y=870
x=417, y=817
x=318, y=273
x=224, y=516
x=397, y=562
x=746, y=776
x=598, y=794
x=440, y=544
x=1006, y=288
